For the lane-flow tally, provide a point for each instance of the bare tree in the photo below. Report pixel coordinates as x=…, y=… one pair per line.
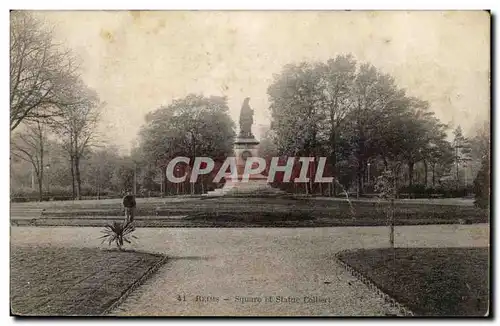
x=29, y=145
x=39, y=70
x=77, y=126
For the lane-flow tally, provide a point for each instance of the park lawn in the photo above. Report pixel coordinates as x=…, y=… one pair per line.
x=430, y=281
x=262, y=212
x=52, y=281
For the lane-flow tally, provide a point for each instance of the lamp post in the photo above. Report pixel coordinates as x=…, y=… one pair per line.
x=98, y=175
x=135, y=178
x=162, y=181
x=33, y=177
x=369, y=181
x=176, y=174
x=465, y=174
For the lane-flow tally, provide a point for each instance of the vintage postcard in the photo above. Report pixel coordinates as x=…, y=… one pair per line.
x=250, y=163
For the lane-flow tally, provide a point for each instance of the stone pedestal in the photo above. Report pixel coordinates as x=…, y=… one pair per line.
x=245, y=147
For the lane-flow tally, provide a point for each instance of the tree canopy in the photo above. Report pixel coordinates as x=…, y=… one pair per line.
x=354, y=114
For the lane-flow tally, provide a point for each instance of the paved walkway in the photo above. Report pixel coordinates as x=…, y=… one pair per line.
x=225, y=267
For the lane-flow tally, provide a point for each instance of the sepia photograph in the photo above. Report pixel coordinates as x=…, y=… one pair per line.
x=251, y=163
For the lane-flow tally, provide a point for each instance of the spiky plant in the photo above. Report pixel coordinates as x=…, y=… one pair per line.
x=118, y=233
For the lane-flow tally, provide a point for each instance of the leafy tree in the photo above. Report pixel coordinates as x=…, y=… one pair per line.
x=439, y=156
x=123, y=176
x=482, y=185
x=354, y=115
x=339, y=76
x=481, y=151
x=297, y=109
x=423, y=137
x=376, y=99
x=192, y=126
x=480, y=143
x=267, y=146
x=99, y=167
x=462, y=151
x=297, y=102
x=21, y=176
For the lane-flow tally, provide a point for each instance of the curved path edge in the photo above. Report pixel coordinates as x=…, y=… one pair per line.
x=153, y=269
x=402, y=309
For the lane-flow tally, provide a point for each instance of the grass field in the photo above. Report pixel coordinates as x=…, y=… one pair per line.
x=430, y=281
x=69, y=281
x=255, y=212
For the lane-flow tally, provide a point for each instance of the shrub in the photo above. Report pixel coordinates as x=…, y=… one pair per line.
x=448, y=191
x=482, y=185
x=23, y=195
x=58, y=193
x=118, y=233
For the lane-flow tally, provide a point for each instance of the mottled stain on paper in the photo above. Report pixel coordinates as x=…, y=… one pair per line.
x=136, y=15
x=107, y=36
x=145, y=59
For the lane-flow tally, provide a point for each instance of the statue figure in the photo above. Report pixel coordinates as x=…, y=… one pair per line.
x=246, y=119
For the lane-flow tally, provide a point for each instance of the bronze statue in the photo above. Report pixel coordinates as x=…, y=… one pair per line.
x=246, y=119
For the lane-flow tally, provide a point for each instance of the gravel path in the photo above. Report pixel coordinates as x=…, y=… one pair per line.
x=258, y=263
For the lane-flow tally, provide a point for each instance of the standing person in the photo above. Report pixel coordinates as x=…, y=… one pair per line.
x=129, y=205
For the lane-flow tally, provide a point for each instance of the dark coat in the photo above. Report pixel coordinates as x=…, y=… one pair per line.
x=129, y=201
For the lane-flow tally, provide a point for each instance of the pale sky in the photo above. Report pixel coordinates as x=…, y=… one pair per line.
x=138, y=61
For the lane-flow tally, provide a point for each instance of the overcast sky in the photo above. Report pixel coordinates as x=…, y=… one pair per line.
x=138, y=61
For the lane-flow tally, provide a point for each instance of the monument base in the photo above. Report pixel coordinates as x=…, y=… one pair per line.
x=245, y=146
x=256, y=186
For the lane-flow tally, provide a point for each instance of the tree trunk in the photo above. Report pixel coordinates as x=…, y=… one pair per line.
x=134, y=187
x=391, y=224
x=40, y=190
x=396, y=183
x=72, y=168
x=333, y=185
x=33, y=186
x=40, y=167
x=78, y=178
x=410, y=173
x=433, y=175
x=77, y=171
x=163, y=180
x=40, y=163
x=333, y=154
x=360, y=181
x=40, y=184
x=311, y=172
x=192, y=160
x=426, y=173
